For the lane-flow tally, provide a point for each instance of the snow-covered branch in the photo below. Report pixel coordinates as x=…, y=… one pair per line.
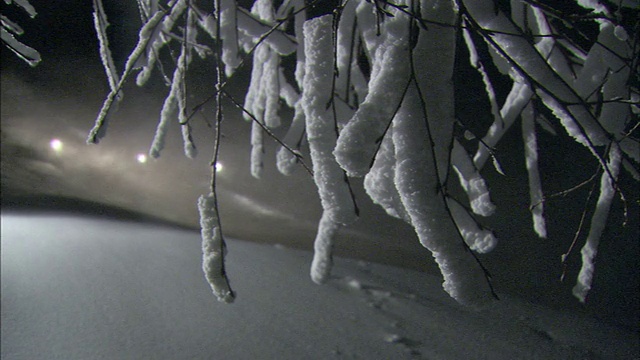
x=373, y=96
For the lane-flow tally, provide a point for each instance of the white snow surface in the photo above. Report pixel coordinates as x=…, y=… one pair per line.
x=86, y=288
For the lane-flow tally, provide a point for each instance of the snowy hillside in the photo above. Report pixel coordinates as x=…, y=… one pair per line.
x=85, y=288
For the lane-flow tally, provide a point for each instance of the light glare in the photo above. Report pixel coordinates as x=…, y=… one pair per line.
x=56, y=145
x=218, y=167
x=142, y=158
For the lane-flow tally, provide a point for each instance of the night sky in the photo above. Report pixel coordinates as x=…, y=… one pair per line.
x=47, y=112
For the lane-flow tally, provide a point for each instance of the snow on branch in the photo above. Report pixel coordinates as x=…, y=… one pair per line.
x=255, y=28
x=10, y=30
x=146, y=32
x=379, y=182
x=598, y=222
x=213, y=249
x=333, y=188
x=419, y=187
x=323, y=248
x=229, y=35
x=174, y=106
x=159, y=39
x=531, y=154
x=471, y=180
x=100, y=22
x=360, y=138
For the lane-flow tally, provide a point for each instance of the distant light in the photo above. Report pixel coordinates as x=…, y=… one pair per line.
x=56, y=145
x=218, y=167
x=142, y=158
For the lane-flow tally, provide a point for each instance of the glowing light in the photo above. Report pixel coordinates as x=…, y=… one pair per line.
x=142, y=158
x=56, y=145
x=218, y=167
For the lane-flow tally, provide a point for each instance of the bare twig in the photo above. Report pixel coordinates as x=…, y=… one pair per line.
x=295, y=153
x=565, y=256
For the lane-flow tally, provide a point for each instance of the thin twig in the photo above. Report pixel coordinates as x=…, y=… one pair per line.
x=565, y=256
x=295, y=153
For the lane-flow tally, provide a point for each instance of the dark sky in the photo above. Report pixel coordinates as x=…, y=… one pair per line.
x=60, y=98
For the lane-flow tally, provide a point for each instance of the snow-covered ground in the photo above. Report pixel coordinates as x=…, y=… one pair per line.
x=85, y=288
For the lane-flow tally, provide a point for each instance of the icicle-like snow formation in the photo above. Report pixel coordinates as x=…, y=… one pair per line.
x=229, y=35
x=190, y=149
x=479, y=240
x=330, y=179
x=350, y=80
x=175, y=104
x=379, y=182
x=531, y=155
x=257, y=150
x=285, y=160
x=472, y=182
x=321, y=130
x=322, y=249
x=422, y=142
x=359, y=140
x=598, y=222
x=603, y=78
x=374, y=97
x=213, y=249
x=262, y=98
x=419, y=189
x=517, y=98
